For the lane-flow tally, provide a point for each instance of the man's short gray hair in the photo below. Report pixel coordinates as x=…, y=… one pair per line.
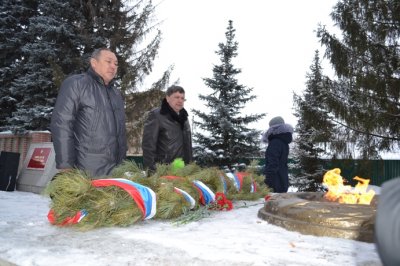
x=174, y=88
x=96, y=53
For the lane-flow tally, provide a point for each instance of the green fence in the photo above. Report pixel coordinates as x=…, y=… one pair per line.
x=378, y=171
x=136, y=158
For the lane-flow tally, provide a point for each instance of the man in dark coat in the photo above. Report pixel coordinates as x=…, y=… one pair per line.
x=167, y=135
x=278, y=137
x=387, y=223
x=88, y=120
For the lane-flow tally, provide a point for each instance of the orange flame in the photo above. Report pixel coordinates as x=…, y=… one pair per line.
x=341, y=193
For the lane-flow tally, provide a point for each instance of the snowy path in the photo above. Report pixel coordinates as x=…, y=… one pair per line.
x=237, y=237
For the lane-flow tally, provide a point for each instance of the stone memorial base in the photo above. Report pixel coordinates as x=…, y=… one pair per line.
x=311, y=214
x=38, y=169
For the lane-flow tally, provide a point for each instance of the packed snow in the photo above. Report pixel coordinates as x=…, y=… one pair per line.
x=236, y=237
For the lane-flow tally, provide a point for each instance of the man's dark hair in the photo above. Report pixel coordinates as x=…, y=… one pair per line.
x=174, y=88
x=96, y=53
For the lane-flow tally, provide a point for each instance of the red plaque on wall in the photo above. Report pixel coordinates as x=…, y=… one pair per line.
x=39, y=158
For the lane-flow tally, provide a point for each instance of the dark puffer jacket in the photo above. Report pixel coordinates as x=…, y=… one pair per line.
x=88, y=125
x=387, y=223
x=166, y=136
x=276, y=157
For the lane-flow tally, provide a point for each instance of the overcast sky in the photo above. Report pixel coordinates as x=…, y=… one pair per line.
x=277, y=41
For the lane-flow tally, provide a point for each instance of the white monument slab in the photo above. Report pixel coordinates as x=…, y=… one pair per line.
x=38, y=169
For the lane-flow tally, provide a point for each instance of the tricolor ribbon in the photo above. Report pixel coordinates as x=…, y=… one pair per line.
x=253, y=188
x=240, y=176
x=69, y=220
x=224, y=186
x=144, y=197
x=206, y=195
x=235, y=179
x=187, y=196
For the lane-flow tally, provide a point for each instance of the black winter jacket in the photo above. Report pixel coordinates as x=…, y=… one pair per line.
x=276, y=157
x=88, y=125
x=166, y=136
x=387, y=223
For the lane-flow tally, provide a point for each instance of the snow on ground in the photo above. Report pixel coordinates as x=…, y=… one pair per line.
x=236, y=237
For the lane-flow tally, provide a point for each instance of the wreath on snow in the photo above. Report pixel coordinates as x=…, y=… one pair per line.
x=129, y=196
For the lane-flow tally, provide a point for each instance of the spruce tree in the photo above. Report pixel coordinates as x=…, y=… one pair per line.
x=364, y=100
x=314, y=130
x=224, y=138
x=14, y=21
x=48, y=52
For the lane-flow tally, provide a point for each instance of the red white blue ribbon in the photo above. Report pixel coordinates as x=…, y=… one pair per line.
x=239, y=176
x=68, y=220
x=223, y=183
x=253, y=187
x=236, y=182
x=82, y=214
x=144, y=197
x=206, y=195
x=187, y=196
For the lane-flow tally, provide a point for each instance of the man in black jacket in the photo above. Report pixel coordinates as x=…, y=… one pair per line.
x=88, y=120
x=167, y=135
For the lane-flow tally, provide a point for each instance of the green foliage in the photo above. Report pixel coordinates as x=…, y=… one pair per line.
x=70, y=184
x=224, y=137
x=127, y=169
x=168, y=170
x=72, y=191
x=314, y=131
x=364, y=100
x=189, y=216
x=14, y=20
x=170, y=204
x=214, y=179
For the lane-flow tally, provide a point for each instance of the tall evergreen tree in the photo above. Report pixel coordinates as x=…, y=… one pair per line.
x=48, y=52
x=14, y=21
x=314, y=130
x=365, y=100
x=224, y=138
